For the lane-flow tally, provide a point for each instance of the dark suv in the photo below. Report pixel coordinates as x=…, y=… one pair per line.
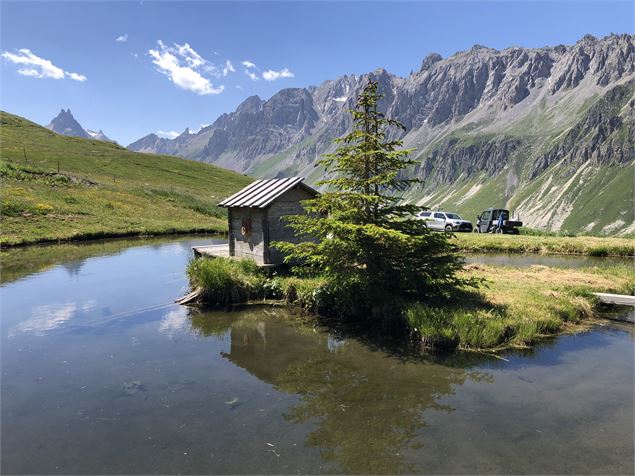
x=491, y=221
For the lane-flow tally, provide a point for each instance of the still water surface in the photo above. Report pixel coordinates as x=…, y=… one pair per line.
x=102, y=374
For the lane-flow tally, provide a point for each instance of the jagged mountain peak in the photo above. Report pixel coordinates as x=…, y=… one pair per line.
x=480, y=111
x=66, y=124
x=251, y=104
x=430, y=61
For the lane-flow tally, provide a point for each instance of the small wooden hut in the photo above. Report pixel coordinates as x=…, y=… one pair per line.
x=256, y=217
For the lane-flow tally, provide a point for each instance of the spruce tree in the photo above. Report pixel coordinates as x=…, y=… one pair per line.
x=358, y=233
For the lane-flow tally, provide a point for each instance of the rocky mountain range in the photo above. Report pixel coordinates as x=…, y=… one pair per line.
x=65, y=124
x=548, y=132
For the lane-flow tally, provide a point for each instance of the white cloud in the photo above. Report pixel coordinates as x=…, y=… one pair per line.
x=76, y=77
x=37, y=67
x=271, y=75
x=191, y=57
x=29, y=72
x=122, y=38
x=340, y=99
x=252, y=76
x=184, y=67
x=248, y=64
x=229, y=68
x=168, y=134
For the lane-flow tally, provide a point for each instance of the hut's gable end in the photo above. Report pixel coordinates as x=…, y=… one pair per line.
x=246, y=233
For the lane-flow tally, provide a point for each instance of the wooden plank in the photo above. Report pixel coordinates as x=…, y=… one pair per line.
x=620, y=299
x=211, y=250
x=222, y=251
x=190, y=297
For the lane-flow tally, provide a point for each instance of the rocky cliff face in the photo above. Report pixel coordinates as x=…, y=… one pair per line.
x=486, y=124
x=604, y=136
x=261, y=127
x=65, y=124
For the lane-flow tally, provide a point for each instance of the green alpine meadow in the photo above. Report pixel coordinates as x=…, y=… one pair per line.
x=67, y=188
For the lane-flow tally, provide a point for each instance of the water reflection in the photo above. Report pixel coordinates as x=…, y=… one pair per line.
x=367, y=407
x=18, y=263
x=174, y=321
x=48, y=317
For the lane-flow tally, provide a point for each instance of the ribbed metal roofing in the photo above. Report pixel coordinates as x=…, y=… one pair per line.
x=261, y=193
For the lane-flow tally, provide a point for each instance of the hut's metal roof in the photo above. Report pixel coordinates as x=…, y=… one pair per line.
x=261, y=193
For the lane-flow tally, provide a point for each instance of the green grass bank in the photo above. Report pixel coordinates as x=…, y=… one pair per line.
x=515, y=307
x=556, y=245
x=511, y=308
x=66, y=188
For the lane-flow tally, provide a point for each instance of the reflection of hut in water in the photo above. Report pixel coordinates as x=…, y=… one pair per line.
x=267, y=348
x=256, y=217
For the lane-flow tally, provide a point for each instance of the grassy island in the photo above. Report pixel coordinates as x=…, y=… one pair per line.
x=510, y=308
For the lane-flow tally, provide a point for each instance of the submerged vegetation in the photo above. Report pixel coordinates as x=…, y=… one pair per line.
x=67, y=188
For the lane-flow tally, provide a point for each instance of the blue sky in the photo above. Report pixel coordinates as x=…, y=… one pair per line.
x=172, y=72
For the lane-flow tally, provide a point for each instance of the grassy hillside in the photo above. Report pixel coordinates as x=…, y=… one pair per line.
x=58, y=188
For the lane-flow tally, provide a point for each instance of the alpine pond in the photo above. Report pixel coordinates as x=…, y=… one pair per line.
x=101, y=373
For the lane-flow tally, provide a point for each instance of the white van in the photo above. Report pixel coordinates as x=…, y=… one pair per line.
x=444, y=221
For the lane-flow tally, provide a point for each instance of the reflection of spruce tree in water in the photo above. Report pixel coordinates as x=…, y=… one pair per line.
x=73, y=267
x=367, y=406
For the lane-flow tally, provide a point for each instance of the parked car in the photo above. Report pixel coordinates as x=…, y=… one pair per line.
x=444, y=221
x=496, y=220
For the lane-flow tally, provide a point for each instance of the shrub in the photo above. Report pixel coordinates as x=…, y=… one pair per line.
x=224, y=281
x=433, y=326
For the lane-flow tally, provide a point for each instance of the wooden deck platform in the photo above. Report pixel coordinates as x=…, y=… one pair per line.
x=222, y=251
x=620, y=299
x=216, y=251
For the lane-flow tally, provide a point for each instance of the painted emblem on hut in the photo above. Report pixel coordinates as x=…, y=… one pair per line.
x=255, y=217
x=245, y=229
